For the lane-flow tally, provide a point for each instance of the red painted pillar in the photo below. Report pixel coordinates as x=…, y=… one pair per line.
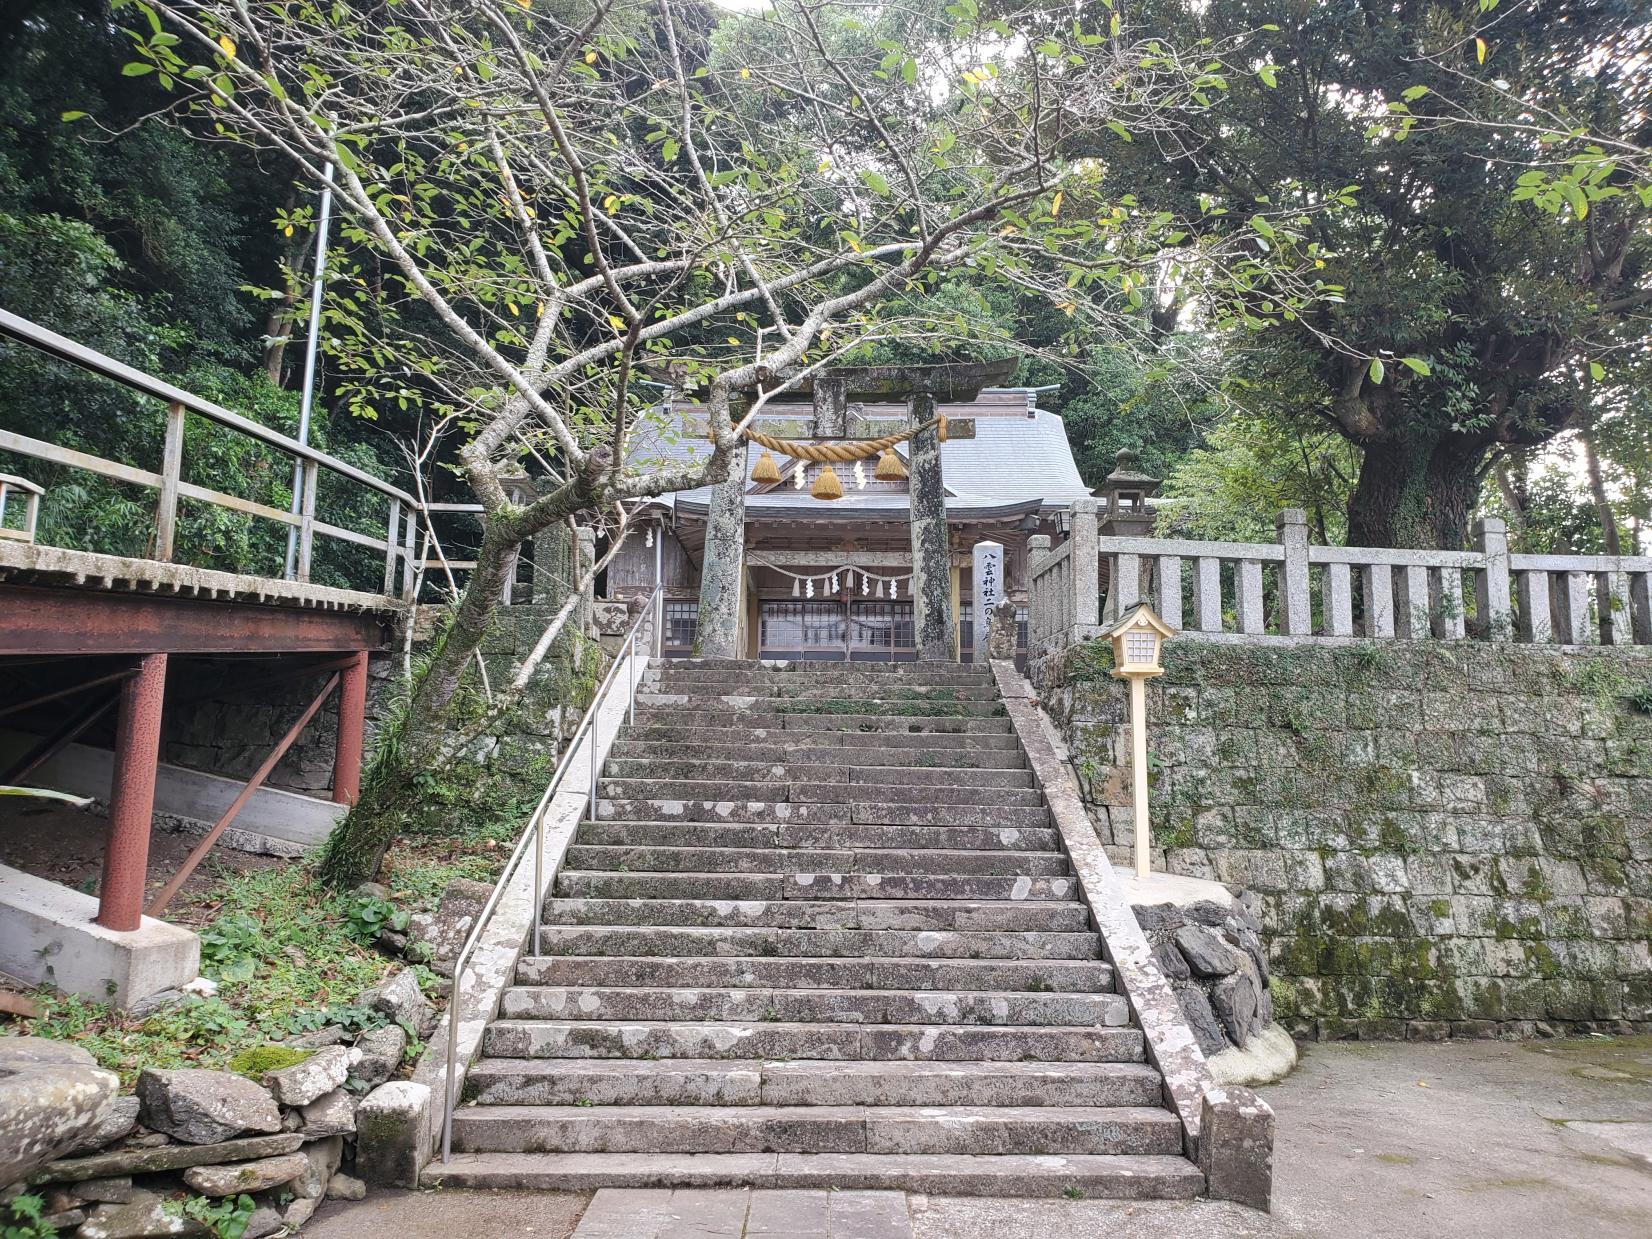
x=132, y=795
x=352, y=717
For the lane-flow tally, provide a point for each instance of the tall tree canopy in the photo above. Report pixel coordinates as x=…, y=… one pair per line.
x=1473, y=317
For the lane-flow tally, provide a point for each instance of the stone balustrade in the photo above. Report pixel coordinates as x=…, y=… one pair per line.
x=1292, y=591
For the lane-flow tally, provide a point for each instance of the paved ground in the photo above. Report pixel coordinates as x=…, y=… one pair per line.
x=1476, y=1140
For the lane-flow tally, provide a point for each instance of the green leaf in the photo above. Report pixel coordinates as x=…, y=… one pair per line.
x=1413, y=93
x=137, y=69
x=668, y=151
x=1119, y=129
x=69, y=116
x=1574, y=197
x=1417, y=364
x=1376, y=371
x=1262, y=226
x=1269, y=75
x=1597, y=371
x=875, y=181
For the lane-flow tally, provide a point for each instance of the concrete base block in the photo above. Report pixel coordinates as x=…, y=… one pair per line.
x=49, y=935
x=1176, y=888
x=390, y=1134
x=1236, y=1147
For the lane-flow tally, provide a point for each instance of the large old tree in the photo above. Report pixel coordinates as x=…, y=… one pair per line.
x=547, y=202
x=1470, y=243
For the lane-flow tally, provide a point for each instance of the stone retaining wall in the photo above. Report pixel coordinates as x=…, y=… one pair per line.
x=1449, y=838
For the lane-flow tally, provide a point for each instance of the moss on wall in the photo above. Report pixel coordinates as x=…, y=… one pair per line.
x=1449, y=836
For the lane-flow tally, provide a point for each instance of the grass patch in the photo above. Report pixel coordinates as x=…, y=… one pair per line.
x=280, y=947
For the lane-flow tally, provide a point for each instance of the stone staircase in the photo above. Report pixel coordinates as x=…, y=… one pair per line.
x=821, y=934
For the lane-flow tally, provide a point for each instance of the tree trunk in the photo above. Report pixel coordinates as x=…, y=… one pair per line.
x=1610, y=542
x=1415, y=494
x=933, y=630
x=723, y=569
x=358, y=844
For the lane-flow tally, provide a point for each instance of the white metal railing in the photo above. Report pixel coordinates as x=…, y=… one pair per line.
x=1291, y=589
x=534, y=832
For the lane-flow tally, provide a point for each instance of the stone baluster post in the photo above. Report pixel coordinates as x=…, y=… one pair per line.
x=1038, y=602
x=1086, y=571
x=1296, y=616
x=1491, y=580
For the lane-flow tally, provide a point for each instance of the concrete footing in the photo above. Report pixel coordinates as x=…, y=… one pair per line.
x=49, y=936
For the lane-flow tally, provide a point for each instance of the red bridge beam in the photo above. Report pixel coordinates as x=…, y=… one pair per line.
x=36, y=620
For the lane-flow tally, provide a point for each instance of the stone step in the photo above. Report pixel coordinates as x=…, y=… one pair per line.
x=812, y=771
x=648, y=1039
x=1101, y=1178
x=672, y=690
x=713, y=790
x=982, y=749
x=881, y=861
x=804, y=835
x=1084, y=976
x=714, y=1082
x=823, y=668
x=864, y=813
x=818, y=890
x=995, y=1131
x=814, y=1006
x=908, y=723
x=881, y=943
x=1040, y=916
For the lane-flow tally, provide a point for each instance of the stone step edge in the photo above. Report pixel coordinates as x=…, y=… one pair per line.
x=1103, y=1176
x=502, y=1065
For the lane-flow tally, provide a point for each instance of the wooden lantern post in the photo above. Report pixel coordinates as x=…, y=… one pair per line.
x=1137, y=637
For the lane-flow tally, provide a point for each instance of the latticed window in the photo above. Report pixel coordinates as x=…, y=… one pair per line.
x=1139, y=648
x=682, y=624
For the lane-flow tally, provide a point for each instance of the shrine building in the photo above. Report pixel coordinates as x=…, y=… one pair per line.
x=827, y=566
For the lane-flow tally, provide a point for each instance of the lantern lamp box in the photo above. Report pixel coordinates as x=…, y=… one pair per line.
x=1137, y=636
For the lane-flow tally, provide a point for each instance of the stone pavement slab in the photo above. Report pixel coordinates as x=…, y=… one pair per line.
x=740, y=1213
x=1376, y=1140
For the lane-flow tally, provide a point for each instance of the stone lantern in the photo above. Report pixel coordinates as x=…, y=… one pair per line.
x=1124, y=494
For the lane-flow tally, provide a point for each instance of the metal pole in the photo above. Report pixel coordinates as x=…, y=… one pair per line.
x=630, y=682
x=659, y=590
x=1138, y=770
x=596, y=722
x=538, y=879
x=308, y=397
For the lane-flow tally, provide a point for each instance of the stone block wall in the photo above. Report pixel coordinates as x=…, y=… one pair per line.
x=232, y=730
x=1449, y=838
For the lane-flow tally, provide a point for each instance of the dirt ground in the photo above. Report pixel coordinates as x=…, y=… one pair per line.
x=65, y=844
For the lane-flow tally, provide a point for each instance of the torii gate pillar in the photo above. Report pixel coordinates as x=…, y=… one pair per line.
x=934, y=633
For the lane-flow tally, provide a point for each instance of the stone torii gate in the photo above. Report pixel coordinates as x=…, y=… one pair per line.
x=922, y=388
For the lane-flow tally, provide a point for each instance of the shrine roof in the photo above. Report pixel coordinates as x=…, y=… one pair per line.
x=1014, y=464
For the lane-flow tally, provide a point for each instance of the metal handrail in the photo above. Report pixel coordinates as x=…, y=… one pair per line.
x=535, y=831
x=48, y=341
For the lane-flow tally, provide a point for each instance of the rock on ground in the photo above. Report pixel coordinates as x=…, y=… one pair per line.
x=321, y=1159
x=51, y=1096
x=142, y=1217
x=114, y=1122
x=343, y=1187
x=381, y=1054
x=246, y=1176
x=303, y=1082
x=204, y=1107
x=333, y=1114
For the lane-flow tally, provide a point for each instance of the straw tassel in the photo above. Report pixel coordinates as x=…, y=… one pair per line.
x=827, y=485
x=765, y=470
x=889, y=467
